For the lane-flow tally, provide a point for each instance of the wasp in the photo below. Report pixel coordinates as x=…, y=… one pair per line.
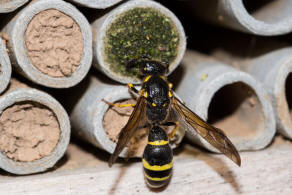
x=157, y=106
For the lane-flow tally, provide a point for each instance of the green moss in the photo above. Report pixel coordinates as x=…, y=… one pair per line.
x=140, y=32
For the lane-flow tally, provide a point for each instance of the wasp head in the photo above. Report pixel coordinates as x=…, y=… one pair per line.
x=149, y=67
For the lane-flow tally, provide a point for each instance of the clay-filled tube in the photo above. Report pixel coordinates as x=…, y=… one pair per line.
x=50, y=43
x=133, y=31
x=10, y=5
x=268, y=17
x=94, y=121
x=274, y=70
x=5, y=67
x=229, y=99
x=35, y=130
x=97, y=4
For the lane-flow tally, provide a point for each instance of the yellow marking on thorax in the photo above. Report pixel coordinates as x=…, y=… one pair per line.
x=170, y=85
x=146, y=94
x=158, y=143
x=156, y=178
x=147, y=78
x=170, y=94
x=130, y=85
x=157, y=167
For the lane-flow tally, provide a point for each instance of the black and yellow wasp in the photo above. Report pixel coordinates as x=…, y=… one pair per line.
x=158, y=106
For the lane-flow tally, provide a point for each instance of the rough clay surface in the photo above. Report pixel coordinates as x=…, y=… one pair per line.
x=116, y=118
x=54, y=43
x=28, y=131
x=4, y=1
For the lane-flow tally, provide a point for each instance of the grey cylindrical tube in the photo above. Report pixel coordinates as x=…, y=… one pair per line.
x=32, y=122
x=269, y=18
x=97, y=4
x=88, y=114
x=101, y=36
x=50, y=43
x=230, y=99
x=274, y=70
x=5, y=67
x=11, y=5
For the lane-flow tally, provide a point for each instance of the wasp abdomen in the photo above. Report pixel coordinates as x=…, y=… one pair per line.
x=157, y=158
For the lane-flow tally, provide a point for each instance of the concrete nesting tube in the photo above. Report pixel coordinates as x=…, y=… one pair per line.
x=5, y=67
x=10, y=5
x=97, y=4
x=272, y=17
x=101, y=37
x=230, y=99
x=89, y=121
x=35, y=130
x=274, y=70
x=50, y=43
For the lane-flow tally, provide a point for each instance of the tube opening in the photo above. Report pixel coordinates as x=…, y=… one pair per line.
x=288, y=92
x=29, y=131
x=269, y=11
x=236, y=109
x=54, y=43
x=138, y=33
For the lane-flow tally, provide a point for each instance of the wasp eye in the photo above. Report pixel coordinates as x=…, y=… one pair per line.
x=153, y=104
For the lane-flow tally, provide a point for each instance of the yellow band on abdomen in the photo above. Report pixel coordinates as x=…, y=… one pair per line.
x=157, y=167
x=158, y=143
x=156, y=178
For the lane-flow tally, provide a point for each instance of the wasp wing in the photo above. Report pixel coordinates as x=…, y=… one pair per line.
x=130, y=128
x=213, y=135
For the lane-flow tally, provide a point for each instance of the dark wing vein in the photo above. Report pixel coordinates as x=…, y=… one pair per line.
x=128, y=131
x=213, y=135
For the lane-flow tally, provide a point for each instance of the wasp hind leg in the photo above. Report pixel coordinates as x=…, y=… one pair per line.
x=173, y=132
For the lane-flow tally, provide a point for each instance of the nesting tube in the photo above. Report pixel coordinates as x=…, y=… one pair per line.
x=5, y=67
x=95, y=122
x=35, y=130
x=274, y=70
x=50, y=43
x=133, y=31
x=97, y=4
x=229, y=99
x=10, y=5
x=272, y=17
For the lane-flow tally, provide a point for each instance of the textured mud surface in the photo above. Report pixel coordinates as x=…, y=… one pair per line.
x=28, y=131
x=54, y=43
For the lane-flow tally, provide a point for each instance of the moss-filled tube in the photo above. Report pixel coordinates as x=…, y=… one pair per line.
x=229, y=99
x=97, y=4
x=5, y=67
x=133, y=31
x=50, y=43
x=11, y=5
x=93, y=119
x=34, y=130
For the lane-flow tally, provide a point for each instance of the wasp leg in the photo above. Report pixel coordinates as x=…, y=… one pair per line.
x=132, y=88
x=172, y=133
x=118, y=105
